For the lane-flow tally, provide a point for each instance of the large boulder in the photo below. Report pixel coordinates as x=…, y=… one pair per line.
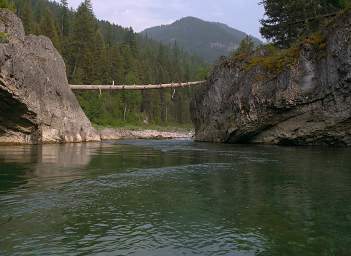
x=36, y=102
x=308, y=103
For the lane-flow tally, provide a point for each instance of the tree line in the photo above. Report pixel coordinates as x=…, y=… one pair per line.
x=100, y=52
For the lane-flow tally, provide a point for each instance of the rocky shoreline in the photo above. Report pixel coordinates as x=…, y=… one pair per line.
x=122, y=134
x=111, y=134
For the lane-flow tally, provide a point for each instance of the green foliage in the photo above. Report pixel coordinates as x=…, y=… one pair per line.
x=282, y=25
x=64, y=18
x=4, y=38
x=98, y=52
x=339, y=3
x=24, y=10
x=246, y=49
x=49, y=28
x=317, y=41
x=286, y=21
x=274, y=61
x=270, y=60
x=7, y=4
x=202, y=74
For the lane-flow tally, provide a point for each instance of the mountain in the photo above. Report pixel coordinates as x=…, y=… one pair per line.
x=209, y=40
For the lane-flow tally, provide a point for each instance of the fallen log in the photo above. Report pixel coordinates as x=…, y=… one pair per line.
x=134, y=87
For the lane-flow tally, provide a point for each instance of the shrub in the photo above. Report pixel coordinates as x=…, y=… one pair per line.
x=246, y=48
x=274, y=60
x=317, y=41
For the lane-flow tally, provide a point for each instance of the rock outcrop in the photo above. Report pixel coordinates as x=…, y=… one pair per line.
x=36, y=103
x=308, y=103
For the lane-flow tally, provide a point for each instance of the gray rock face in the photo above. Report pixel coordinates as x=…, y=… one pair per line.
x=36, y=103
x=308, y=104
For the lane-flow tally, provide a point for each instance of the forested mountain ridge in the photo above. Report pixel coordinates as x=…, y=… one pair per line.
x=209, y=40
x=98, y=52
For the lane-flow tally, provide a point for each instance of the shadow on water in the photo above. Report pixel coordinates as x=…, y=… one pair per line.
x=174, y=198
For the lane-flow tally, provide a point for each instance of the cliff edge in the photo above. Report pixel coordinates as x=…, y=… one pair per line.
x=307, y=103
x=36, y=103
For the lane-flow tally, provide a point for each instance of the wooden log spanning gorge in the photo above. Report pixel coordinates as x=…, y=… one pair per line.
x=135, y=87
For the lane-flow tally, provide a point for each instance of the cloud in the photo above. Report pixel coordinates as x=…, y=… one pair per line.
x=141, y=14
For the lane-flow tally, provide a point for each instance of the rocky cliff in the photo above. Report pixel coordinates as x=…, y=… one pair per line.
x=307, y=103
x=36, y=103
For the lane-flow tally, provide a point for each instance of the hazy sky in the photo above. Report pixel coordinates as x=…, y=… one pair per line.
x=140, y=14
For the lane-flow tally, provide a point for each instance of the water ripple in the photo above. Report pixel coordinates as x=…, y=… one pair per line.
x=174, y=198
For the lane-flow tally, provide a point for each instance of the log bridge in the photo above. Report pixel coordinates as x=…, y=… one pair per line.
x=114, y=87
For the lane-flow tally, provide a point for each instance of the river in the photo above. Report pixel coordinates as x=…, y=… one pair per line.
x=174, y=197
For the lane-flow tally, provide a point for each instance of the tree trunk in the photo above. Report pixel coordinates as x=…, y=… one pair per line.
x=125, y=112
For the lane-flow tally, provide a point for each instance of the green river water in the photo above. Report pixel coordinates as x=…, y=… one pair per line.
x=174, y=197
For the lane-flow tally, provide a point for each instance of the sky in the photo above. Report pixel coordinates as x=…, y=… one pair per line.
x=140, y=14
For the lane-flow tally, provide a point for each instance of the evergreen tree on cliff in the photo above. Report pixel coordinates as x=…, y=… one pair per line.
x=288, y=20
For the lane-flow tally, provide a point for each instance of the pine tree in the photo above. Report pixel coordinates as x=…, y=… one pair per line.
x=64, y=18
x=26, y=15
x=116, y=67
x=48, y=27
x=100, y=60
x=288, y=20
x=246, y=47
x=83, y=42
x=131, y=41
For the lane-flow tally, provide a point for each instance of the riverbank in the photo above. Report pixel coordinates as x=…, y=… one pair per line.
x=124, y=133
x=120, y=133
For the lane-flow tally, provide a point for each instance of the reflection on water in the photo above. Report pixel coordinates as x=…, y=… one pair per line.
x=174, y=198
x=49, y=162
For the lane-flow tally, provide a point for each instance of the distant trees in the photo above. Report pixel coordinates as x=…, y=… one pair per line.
x=24, y=10
x=7, y=4
x=83, y=45
x=98, y=52
x=64, y=18
x=49, y=28
x=288, y=20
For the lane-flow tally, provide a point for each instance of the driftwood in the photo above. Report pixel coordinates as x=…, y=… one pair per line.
x=134, y=87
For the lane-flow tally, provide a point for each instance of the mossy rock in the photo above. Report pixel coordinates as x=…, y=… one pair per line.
x=4, y=38
x=275, y=60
